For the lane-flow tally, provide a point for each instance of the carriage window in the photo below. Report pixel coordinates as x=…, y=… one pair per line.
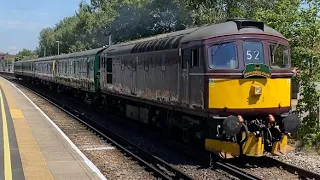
x=74, y=67
x=279, y=56
x=122, y=64
x=66, y=66
x=223, y=56
x=134, y=63
x=253, y=53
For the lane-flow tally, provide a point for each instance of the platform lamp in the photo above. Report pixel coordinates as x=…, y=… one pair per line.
x=58, y=47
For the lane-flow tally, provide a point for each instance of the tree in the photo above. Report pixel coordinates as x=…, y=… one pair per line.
x=301, y=26
x=25, y=54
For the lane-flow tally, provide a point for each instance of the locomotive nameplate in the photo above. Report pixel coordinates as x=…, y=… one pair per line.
x=261, y=70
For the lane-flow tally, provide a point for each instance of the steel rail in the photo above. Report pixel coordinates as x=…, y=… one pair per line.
x=154, y=164
x=302, y=173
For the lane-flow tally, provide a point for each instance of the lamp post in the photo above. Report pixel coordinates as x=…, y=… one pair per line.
x=58, y=46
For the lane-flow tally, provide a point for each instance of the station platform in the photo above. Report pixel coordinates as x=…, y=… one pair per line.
x=32, y=146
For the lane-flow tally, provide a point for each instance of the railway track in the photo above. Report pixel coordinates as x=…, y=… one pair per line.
x=157, y=166
x=213, y=161
x=152, y=163
x=302, y=173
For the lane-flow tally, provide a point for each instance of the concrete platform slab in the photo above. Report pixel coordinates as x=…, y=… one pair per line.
x=39, y=149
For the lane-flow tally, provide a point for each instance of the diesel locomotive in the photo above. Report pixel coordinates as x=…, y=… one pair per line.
x=226, y=85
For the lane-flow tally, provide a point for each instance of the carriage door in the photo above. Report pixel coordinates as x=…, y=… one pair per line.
x=134, y=75
x=102, y=72
x=109, y=71
x=184, y=78
x=54, y=67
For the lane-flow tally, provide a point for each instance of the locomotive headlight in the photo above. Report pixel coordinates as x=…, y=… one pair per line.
x=258, y=90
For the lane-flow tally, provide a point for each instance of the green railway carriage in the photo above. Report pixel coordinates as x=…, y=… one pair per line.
x=78, y=70
x=41, y=68
x=18, y=69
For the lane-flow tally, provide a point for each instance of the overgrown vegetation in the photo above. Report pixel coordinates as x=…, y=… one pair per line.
x=130, y=19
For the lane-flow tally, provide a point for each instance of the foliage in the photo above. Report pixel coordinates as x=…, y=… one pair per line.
x=301, y=27
x=131, y=19
x=25, y=54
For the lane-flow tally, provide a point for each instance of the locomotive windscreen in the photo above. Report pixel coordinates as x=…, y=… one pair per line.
x=223, y=56
x=279, y=56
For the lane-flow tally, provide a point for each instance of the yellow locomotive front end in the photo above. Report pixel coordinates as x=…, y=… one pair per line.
x=249, y=96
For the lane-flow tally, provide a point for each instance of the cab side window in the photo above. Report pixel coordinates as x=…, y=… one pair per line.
x=190, y=58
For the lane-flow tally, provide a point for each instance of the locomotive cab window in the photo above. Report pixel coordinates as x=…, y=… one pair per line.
x=253, y=52
x=109, y=70
x=190, y=58
x=186, y=58
x=223, y=56
x=194, y=58
x=109, y=64
x=279, y=56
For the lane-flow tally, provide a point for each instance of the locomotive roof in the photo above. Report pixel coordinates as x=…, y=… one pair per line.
x=79, y=54
x=224, y=27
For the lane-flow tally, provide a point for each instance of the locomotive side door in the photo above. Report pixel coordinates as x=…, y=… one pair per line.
x=184, y=77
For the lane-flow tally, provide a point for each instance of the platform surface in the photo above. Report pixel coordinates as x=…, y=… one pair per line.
x=34, y=148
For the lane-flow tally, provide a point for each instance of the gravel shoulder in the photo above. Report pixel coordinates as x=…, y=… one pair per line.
x=303, y=159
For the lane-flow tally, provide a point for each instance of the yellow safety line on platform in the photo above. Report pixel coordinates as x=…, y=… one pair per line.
x=7, y=158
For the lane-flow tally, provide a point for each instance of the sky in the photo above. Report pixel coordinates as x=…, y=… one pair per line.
x=22, y=20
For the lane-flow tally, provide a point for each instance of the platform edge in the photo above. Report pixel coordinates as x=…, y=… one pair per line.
x=86, y=160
